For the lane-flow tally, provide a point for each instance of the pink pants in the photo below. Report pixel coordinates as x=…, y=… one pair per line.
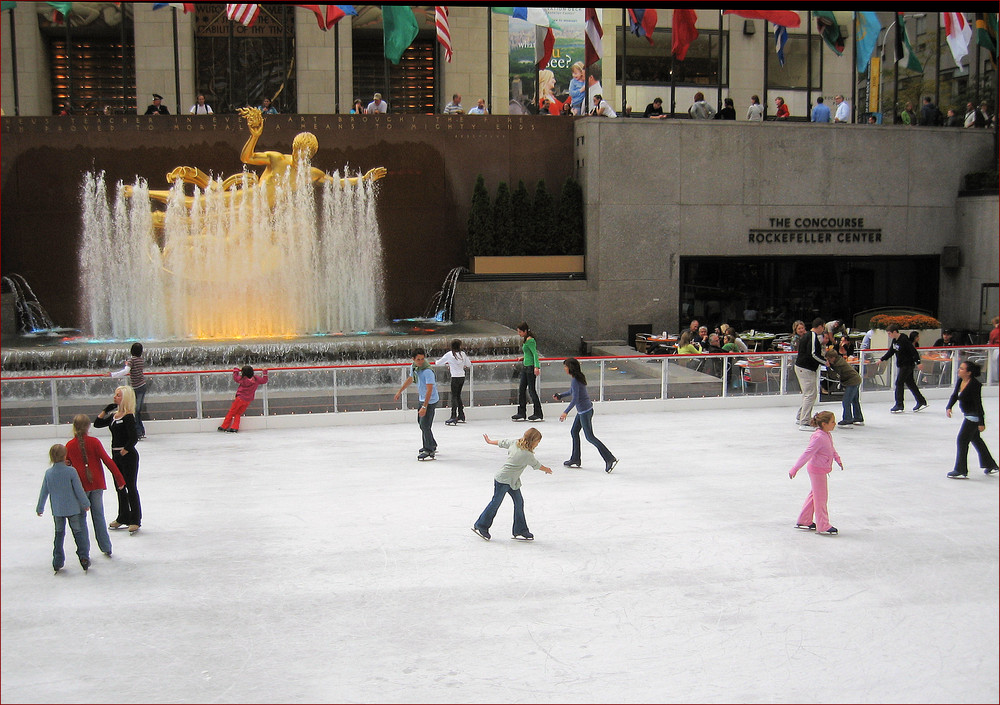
x=235, y=412
x=816, y=503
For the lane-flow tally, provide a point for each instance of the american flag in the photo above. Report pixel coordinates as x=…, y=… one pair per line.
x=242, y=12
x=443, y=31
x=594, y=48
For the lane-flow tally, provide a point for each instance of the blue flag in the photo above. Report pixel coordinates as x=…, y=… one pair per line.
x=780, y=37
x=865, y=35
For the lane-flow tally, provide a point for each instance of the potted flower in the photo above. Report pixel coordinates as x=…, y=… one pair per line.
x=929, y=327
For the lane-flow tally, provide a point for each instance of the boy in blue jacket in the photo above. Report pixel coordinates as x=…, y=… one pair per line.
x=68, y=501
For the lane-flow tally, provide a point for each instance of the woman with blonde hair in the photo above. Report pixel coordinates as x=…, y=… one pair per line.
x=520, y=454
x=85, y=453
x=119, y=416
x=547, y=100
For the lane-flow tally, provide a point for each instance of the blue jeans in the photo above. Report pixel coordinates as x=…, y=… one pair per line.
x=585, y=422
x=78, y=525
x=96, y=498
x=852, y=404
x=485, y=520
x=425, y=422
x=140, y=398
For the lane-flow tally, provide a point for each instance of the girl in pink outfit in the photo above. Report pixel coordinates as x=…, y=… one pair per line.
x=248, y=382
x=820, y=455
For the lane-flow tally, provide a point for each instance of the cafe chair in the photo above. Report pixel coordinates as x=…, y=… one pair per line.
x=756, y=374
x=875, y=372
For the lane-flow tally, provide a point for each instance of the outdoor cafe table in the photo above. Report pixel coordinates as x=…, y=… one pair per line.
x=761, y=341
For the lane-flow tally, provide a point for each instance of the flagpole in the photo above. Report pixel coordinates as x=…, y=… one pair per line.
x=767, y=41
x=177, y=63
x=854, y=63
x=624, y=55
x=124, y=67
x=895, y=67
x=13, y=62
x=809, y=61
x=937, y=63
x=489, y=60
x=69, y=67
x=336, y=66
x=718, y=100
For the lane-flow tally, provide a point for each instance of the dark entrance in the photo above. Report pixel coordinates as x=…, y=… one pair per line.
x=769, y=293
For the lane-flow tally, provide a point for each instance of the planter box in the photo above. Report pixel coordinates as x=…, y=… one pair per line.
x=545, y=264
x=880, y=339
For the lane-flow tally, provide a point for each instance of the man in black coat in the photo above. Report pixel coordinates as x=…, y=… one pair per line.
x=907, y=358
x=157, y=108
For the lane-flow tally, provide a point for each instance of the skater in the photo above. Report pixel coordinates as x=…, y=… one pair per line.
x=133, y=369
x=969, y=395
x=119, y=416
x=520, y=454
x=530, y=370
x=68, y=502
x=584, y=416
x=422, y=375
x=907, y=358
x=457, y=362
x=850, y=380
x=248, y=382
x=85, y=453
x=820, y=455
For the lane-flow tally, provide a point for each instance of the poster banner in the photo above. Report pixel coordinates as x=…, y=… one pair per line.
x=562, y=81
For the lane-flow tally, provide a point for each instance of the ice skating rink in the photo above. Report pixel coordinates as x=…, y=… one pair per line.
x=328, y=565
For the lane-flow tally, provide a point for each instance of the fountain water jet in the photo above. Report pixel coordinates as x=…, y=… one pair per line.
x=240, y=258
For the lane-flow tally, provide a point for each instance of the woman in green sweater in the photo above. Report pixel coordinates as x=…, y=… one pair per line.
x=529, y=371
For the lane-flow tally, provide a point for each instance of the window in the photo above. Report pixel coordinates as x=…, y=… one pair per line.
x=98, y=68
x=640, y=62
x=237, y=66
x=411, y=82
x=794, y=74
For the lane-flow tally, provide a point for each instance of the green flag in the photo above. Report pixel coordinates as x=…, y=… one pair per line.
x=399, y=26
x=829, y=29
x=7, y=5
x=62, y=7
x=986, y=33
x=903, y=48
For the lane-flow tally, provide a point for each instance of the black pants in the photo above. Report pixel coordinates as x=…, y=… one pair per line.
x=904, y=377
x=129, y=510
x=969, y=433
x=527, y=384
x=457, y=407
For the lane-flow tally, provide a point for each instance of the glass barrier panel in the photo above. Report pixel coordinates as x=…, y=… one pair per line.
x=26, y=403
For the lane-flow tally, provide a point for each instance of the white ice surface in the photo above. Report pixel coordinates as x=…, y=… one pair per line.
x=328, y=565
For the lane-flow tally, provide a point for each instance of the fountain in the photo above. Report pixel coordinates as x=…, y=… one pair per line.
x=284, y=267
x=244, y=257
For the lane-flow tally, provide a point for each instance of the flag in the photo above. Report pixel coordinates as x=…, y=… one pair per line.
x=399, y=27
x=534, y=15
x=785, y=18
x=594, y=39
x=986, y=33
x=642, y=22
x=443, y=30
x=866, y=33
x=7, y=5
x=684, y=32
x=185, y=6
x=545, y=40
x=328, y=15
x=243, y=12
x=826, y=25
x=780, y=37
x=959, y=35
x=62, y=7
x=903, y=48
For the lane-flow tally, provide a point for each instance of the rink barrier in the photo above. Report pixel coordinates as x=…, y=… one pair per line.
x=313, y=389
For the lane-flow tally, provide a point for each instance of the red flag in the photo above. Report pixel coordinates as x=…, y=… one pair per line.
x=684, y=32
x=642, y=22
x=326, y=15
x=443, y=30
x=545, y=40
x=594, y=35
x=785, y=18
x=244, y=13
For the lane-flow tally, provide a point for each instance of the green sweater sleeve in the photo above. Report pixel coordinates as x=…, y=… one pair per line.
x=530, y=353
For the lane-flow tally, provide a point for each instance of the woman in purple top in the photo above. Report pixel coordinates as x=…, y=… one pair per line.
x=584, y=416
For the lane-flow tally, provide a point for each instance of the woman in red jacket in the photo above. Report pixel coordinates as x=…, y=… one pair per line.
x=85, y=453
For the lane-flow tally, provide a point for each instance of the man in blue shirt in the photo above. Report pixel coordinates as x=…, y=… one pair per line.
x=820, y=113
x=422, y=375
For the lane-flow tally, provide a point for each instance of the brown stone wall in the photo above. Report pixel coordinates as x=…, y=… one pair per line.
x=423, y=205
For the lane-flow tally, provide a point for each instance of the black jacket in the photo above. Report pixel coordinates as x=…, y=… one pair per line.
x=906, y=354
